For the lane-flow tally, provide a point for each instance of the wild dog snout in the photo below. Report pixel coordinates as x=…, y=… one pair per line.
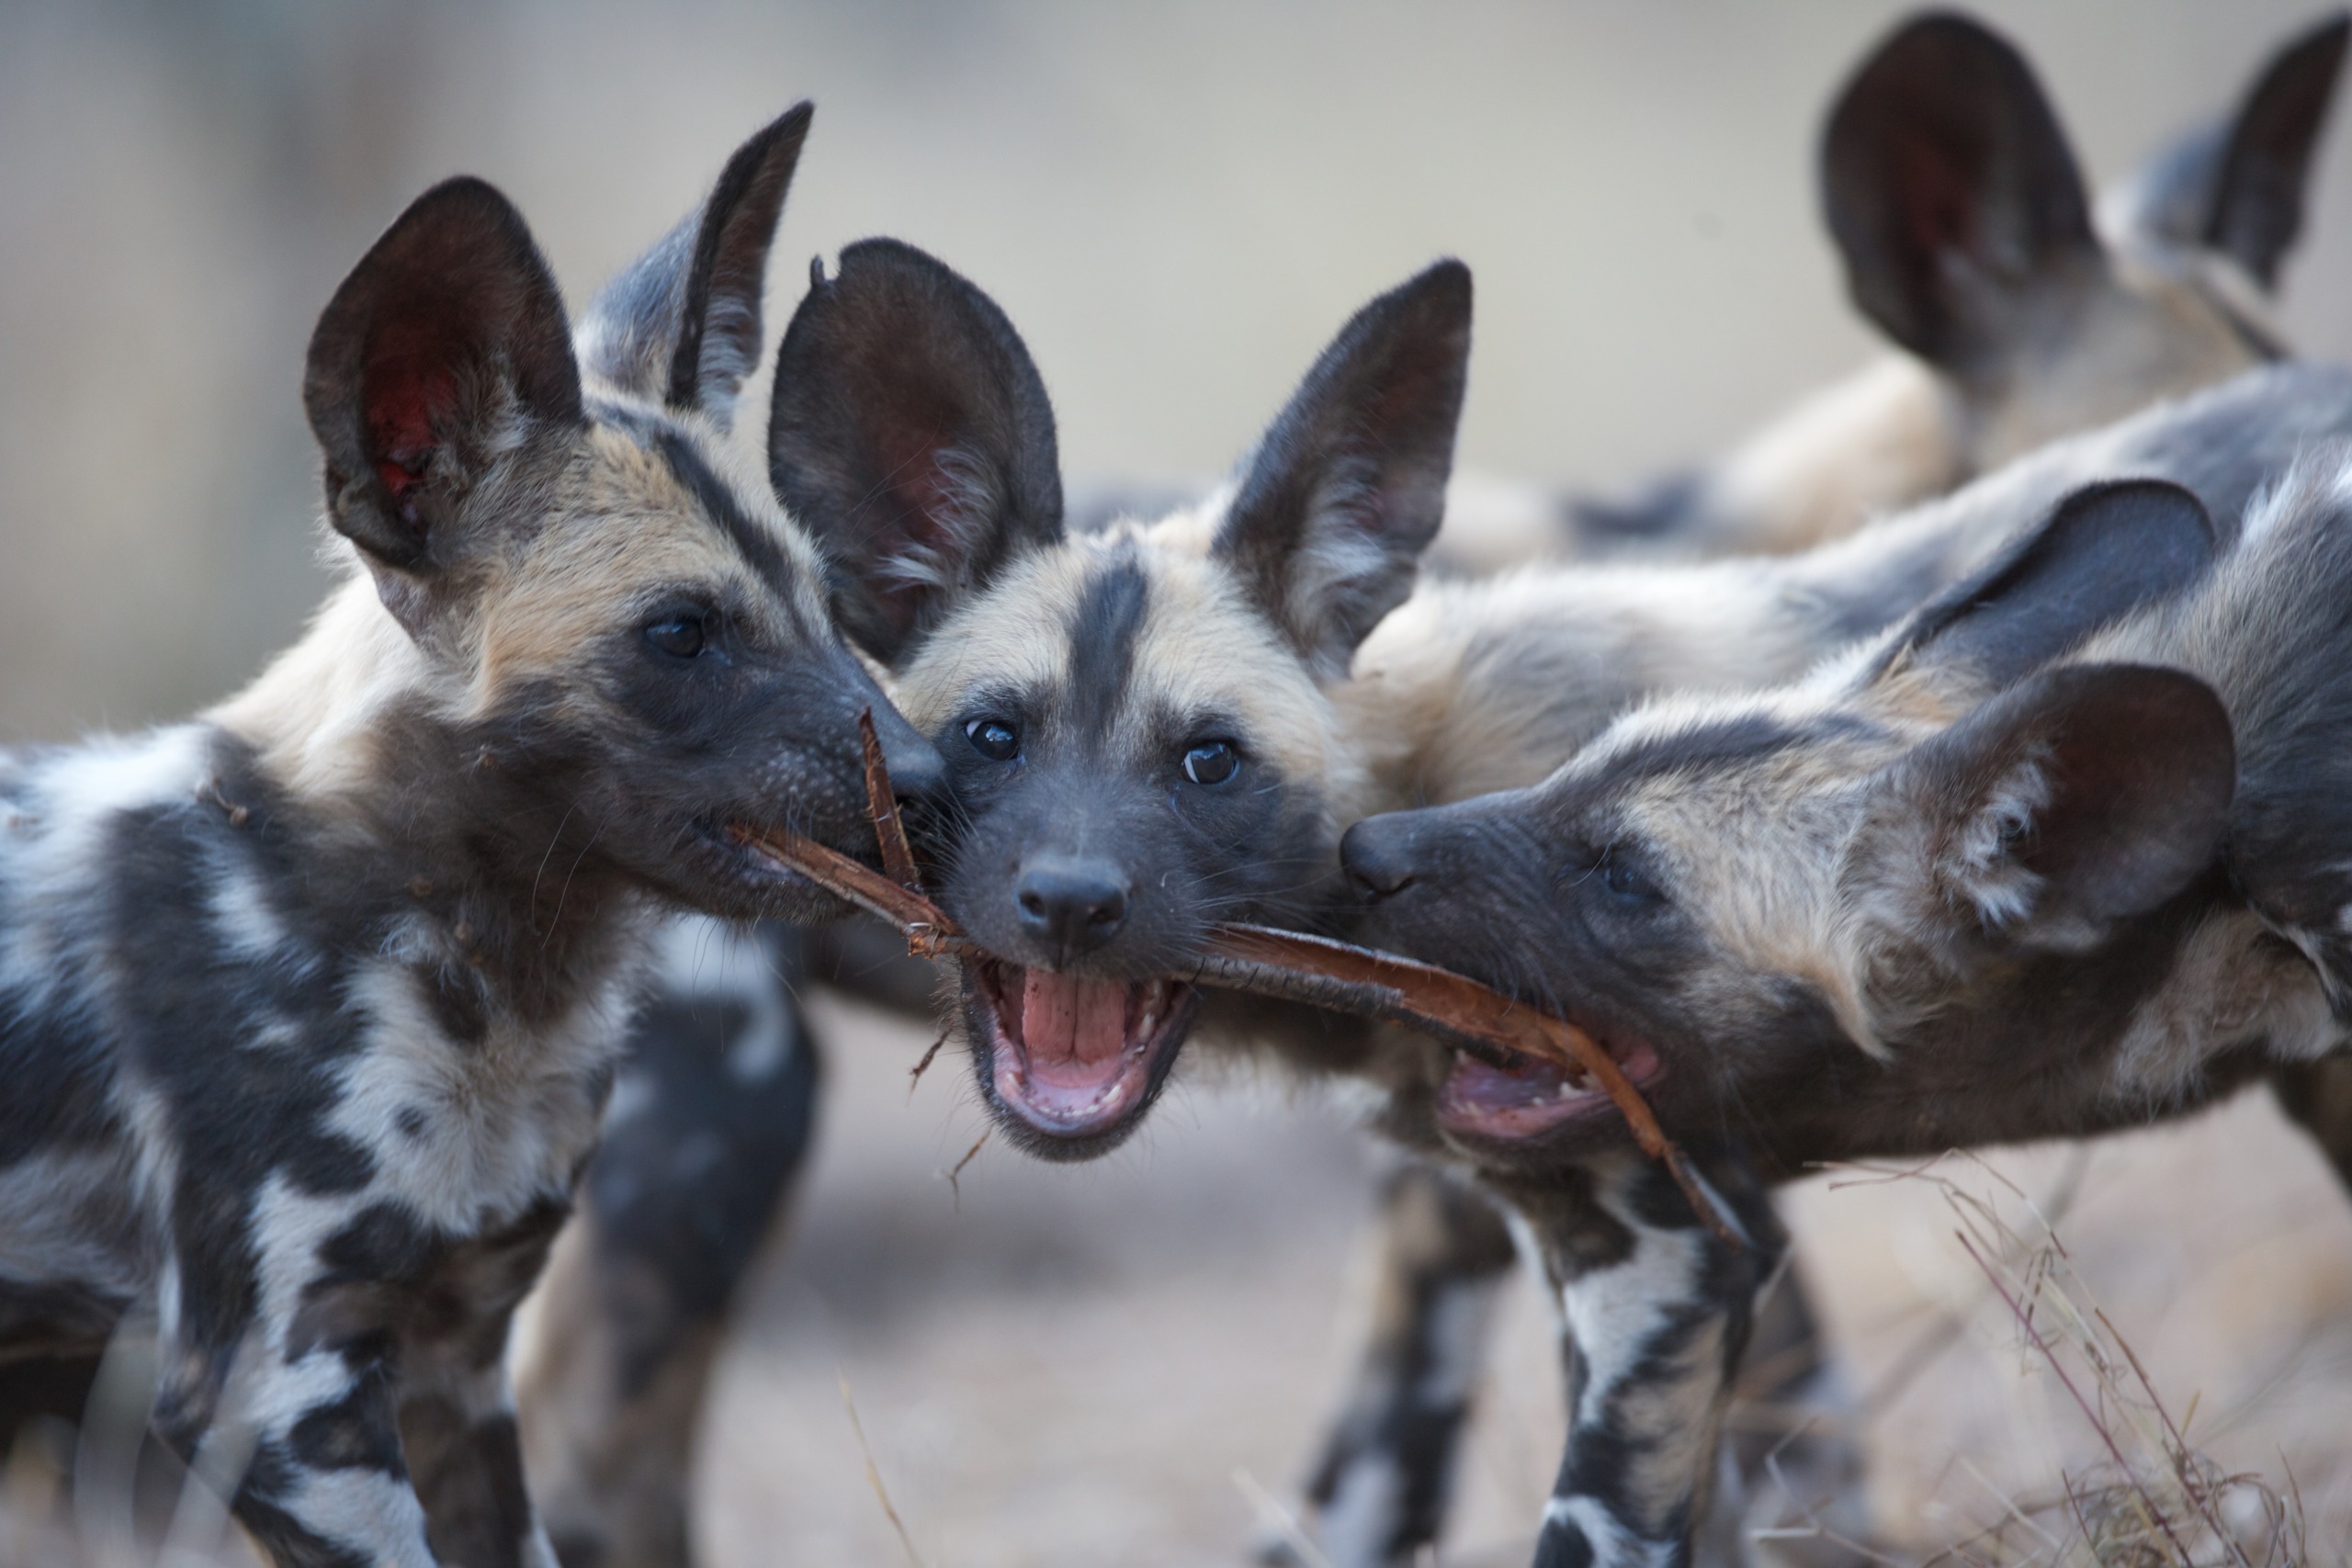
x=1381, y=856
x=1071, y=904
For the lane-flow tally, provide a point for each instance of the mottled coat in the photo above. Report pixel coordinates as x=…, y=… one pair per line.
x=309, y=1008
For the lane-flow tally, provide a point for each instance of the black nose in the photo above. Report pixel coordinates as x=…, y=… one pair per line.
x=1377, y=853
x=916, y=774
x=1073, y=905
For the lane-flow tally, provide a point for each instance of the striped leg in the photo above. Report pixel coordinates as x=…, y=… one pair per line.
x=465, y=1455
x=710, y=1119
x=1380, y=1490
x=1656, y=1312
x=1792, y=1464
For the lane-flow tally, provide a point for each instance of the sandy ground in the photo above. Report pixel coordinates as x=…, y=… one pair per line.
x=1101, y=1364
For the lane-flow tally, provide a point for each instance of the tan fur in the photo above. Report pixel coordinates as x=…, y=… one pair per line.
x=618, y=528
x=1203, y=649
x=1887, y=435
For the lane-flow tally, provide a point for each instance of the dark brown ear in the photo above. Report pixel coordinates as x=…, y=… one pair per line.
x=2257, y=207
x=683, y=323
x=2105, y=551
x=1949, y=188
x=912, y=433
x=445, y=349
x=1348, y=487
x=2237, y=185
x=2079, y=797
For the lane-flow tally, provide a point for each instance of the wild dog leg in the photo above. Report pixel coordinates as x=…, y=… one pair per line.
x=302, y=1407
x=2319, y=1095
x=464, y=1455
x=1381, y=1487
x=1791, y=1447
x=1656, y=1310
x=711, y=1118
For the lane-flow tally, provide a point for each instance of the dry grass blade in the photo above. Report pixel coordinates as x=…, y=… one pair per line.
x=874, y=1477
x=2156, y=1501
x=1263, y=962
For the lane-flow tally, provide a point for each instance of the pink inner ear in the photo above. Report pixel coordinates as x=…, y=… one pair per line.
x=1939, y=208
x=921, y=499
x=407, y=395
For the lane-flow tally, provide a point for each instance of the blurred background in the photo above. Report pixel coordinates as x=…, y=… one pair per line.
x=1177, y=205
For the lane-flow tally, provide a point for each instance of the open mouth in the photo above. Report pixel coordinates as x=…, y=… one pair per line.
x=1533, y=1096
x=1073, y=1057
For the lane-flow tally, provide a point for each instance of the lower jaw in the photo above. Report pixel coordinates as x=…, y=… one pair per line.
x=1488, y=1104
x=1072, y=1120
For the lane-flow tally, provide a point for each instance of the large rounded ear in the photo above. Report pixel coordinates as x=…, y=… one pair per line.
x=1348, y=487
x=443, y=353
x=1950, y=189
x=2236, y=186
x=912, y=433
x=2257, y=212
x=682, y=324
x=2082, y=797
x=2107, y=549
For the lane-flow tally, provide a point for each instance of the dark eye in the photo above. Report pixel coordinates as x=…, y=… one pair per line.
x=679, y=636
x=1628, y=886
x=1212, y=762
x=993, y=739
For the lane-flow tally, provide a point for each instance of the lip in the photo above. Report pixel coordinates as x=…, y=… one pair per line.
x=1531, y=1097
x=1073, y=1102
x=736, y=846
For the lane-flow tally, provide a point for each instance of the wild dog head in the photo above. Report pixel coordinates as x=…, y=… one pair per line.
x=1884, y=897
x=1968, y=237
x=1134, y=719
x=610, y=628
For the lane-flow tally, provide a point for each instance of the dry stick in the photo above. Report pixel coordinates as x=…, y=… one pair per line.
x=1268, y=963
x=1259, y=960
x=882, y=805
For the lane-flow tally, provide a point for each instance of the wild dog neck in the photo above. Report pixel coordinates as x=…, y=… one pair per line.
x=424, y=798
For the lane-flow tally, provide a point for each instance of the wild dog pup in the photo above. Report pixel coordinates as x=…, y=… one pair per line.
x=309, y=1007
x=2021, y=314
x=2057, y=855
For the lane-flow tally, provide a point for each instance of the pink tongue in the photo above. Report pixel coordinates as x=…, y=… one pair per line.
x=1074, y=1028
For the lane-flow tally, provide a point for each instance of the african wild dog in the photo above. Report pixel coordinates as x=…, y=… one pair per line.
x=2062, y=853
x=2019, y=313
x=1150, y=726
x=309, y=1007
x=678, y=1203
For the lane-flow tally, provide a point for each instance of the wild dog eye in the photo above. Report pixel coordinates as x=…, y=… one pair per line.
x=1628, y=886
x=1212, y=762
x=993, y=739
x=679, y=636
